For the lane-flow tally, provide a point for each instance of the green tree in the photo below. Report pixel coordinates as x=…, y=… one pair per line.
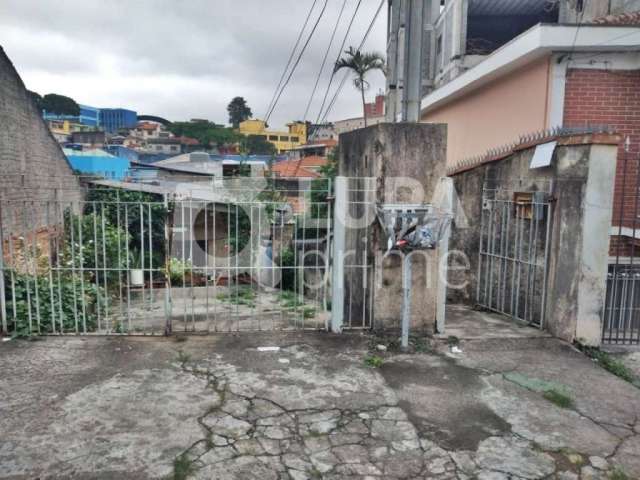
x=208, y=134
x=60, y=104
x=239, y=111
x=257, y=145
x=361, y=64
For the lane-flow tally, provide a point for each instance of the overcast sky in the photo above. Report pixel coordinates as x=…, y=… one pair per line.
x=182, y=59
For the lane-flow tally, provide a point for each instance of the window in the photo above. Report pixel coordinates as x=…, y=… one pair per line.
x=284, y=139
x=273, y=138
x=439, y=45
x=158, y=147
x=295, y=139
x=174, y=148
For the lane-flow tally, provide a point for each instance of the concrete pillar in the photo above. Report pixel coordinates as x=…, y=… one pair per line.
x=597, y=207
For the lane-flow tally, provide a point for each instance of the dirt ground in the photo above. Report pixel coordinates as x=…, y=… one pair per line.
x=320, y=406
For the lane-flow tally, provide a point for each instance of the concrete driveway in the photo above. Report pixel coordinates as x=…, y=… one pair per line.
x=217, y=407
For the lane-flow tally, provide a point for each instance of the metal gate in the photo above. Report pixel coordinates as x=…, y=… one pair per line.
x=621, y=316
x=126, y=262
x=514, y=253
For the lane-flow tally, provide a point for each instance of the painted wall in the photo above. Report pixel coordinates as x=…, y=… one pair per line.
x=495, y=114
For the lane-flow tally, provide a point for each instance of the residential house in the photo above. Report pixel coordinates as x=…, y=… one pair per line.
x=498, y=70
x=92, y=139
x=315, y=148
x=295, y=136
x=98, y=162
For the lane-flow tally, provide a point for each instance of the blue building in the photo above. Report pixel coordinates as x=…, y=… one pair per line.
x=113, y=119
x=98, y=162
x=89, y=116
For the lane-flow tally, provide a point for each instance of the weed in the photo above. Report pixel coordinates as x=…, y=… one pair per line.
x=240, y=296
x=611, y=364
x=309, y=312
x=373, y=361
x=182, y=467
x=452, y=340
x=183, y=357
x=180, y=338
x=558, y=398
x=315, y=473
x=618, y=474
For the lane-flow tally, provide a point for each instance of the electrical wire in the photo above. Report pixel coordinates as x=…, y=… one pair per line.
x=344, y=79
x=293, y=51
x=295, y=65
x=324, y=61
x=333, y=72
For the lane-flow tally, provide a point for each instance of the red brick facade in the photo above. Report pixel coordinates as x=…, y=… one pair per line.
x=375, y=109
x=612, y=98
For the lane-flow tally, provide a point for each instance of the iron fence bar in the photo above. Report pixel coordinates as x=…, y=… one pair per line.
x=104, y=266
x=151, y=298
x=49, y=265
x=479, y=276
x=96, y=264
x=73, y=266
x=82, y=292
x=128, y=260
x=119, y=239
x=191, y=291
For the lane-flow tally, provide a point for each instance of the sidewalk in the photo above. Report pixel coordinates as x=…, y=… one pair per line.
x=217, y=407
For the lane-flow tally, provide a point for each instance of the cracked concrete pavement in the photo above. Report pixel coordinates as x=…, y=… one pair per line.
x=218, y=408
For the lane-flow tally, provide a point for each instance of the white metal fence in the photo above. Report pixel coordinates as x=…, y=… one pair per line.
x=125, y=262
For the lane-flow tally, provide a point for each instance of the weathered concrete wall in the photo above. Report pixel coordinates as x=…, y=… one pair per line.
x=405, y=163
x=582, y=178
x=33, y=167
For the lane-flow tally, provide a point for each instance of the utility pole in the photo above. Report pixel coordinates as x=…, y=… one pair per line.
x=412, y=88
x=405, y=40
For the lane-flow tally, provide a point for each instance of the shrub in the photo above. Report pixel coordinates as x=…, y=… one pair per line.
x=64, y=306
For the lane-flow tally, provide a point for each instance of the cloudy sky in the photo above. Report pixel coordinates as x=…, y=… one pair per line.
x=183, y=59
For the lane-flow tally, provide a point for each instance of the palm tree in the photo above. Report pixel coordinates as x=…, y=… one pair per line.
x=361, y=64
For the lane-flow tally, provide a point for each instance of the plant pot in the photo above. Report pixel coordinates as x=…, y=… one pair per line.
x=136, y=277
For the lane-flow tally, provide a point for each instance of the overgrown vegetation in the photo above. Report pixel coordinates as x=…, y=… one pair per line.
x=611, y=363
x=559, y=398
x=618, y=474
x=373, y=361
x=239, y=296
x=73, y=304
x=182, y=467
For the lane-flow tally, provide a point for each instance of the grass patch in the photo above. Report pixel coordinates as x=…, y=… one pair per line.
x=561, y=399
x=241, y=296
x=373, y=361
x=182, y=467
x=611, y=364
x=618, y=474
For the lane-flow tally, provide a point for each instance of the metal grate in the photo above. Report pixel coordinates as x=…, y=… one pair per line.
x=513, y=255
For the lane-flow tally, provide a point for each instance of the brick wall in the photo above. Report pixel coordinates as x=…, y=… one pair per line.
x=610, y=97
x=33, y=168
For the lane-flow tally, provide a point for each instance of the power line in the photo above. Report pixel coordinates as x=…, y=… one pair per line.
x=344, y=79
x=333, y=72
x=293, y=51
x=295, y=65
x=324, y=60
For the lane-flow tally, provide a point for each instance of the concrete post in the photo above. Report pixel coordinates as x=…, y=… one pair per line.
x=444, y=202
x=597, y=207
x=339, y=241
x=414, y=25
